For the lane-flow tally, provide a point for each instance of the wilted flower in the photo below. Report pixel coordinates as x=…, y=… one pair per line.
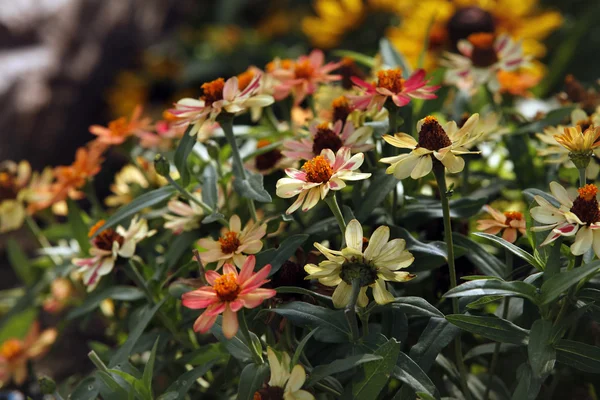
x=373, y=266
x=183, y=216
x=127, y=183
x=107, y=246
x=234, y=243
x=320, y=174
x=227, y=294
x=443, y=144
x=507, y=223
x=13, y=179
x=283, y=384
x=120, y=129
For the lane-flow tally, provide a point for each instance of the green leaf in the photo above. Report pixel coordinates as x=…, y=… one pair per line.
x=413, y=305
x=494, y=328
x=209, y=186
x=20, y=263
x=251, y=380
x=410, y=373
x=542, y=355
x=236, y=346
x=376, y=373
x=87, y=389
x=381, y=185
x=186, y=144
x=528, y=386
x=493, y=287
x=306, y=292
x=554, y=117
x=149, y=369
x=18, y=325
x=109, y=388
x=392, y=58
x=427, y=255
x=125, y=351
x=424, y=209
x=579, y=355
x=333, y=324
x=488, y=348
x=182, y=385
x=146, y=200
x=125, y=293
x=252, y=187
x=513, y=249
x=482, y=302
x=337, y=366
x=483, y=260
x=554, y=287
x=286, y=249
x=79, y=229
x=301, y=346
x=358, y=57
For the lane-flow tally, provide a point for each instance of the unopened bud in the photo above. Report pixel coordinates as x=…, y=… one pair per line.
x=161, y=165
x=47, y=385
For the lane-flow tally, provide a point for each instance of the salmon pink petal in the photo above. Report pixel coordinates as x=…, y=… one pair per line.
x=256, y=279
x=401, y=100
x=230, y=323
x=229, y=269
x=247, y=269
x=359, y=82
x=204, y=322
x=256, y=297
x=236, y=305
x=416, y=80
x=211, y=276
x=216, y=309
x=200, y=298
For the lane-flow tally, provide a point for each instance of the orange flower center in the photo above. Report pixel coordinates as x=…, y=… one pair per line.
x=267, y=160
x=286, y=64
x=432, y=136
x=326, y=138
x=106, y=238
x=304, y=69
x=213, y=91
x=391, y=79
x=437, y=37
x=585, y=206
x=513, y=216
x=8, y=189
x=229, y=242
x=11, y=349
x=119, y=127
x=244, y=79
x=317, y=170
x=95, y=228
x=484, y=53
x=227, y=287
x=341, y=109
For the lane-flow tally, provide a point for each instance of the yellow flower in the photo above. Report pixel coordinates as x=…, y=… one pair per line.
x=13, y=180
x=123, y=188
x=284, y=384
x=576, y=141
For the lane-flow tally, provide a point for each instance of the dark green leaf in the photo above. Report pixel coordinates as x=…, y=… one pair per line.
x=554, y=287
x=18, y=325
x=251, y=380
x=483, y=260
x=513, y=249
x=183, y=384
x=409, y=372
x=212, y=218
x=579, y=355
x=531, y=193
x=186, y=144
x=413, y=305
x=542, y=355
x=482, y=302
x=306, y=292
x=19, y=262
x=381, y=185
x=376, y=373
x=494, y=328
x=427, y=255
x=149, y=368
x=209, y=186
x=493, y=287
x=301, y=346
x=488, y=348
x=87, y=389
x=79, y=229
x=109, y=388
x=554, y=117
x=252, y=187
x=528, y=386
x=425, y=209
x=286, y=249
x=338, y=366
x=124, y=293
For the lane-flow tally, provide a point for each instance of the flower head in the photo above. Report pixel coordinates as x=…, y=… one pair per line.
x=269, y=161
x=183, y=216
x=507, y=223
x=128, y=182
x=283, y=384
x=13, y=181
x=580, y=144
x=373, y=266
x=234, y=243
x=436, y=142
x=391, y=85
x=120, y=129
x=227, y=294
x=322, y=173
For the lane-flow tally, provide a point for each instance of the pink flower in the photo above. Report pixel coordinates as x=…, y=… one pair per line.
x=303, y=76
x=227, y=294
x=508, y=223
x=390, y=84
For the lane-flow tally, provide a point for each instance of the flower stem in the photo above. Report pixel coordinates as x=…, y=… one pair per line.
x=238, y=164
x=337, y=213
x=440, y=176
x=582, y=178
x=207, y=209
x=392, y=118
x=41, y=239
x=246, y=332
x=350, y=311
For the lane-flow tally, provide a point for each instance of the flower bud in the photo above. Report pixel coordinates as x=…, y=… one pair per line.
x=161, y=165
x=47, y=385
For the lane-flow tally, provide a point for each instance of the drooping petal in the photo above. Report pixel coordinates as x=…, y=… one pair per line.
x=341, y=295
x=230, y=323
x=380, y=293
x=204, y=322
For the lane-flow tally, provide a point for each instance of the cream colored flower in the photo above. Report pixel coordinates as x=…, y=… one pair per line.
x=184, y=216
x=284, y=381
x=490, y=129
x=436, y=143
x=124, y=188
x=13, y=180
x=375, y=265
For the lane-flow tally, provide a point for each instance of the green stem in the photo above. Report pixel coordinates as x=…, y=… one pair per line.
x=207, y=209
x=393, y=118
x=272, y=119
x=350, y=311
x=337, y=213
x=238, y=165
x=246, y=332
x=41, y=239
x=440, y=176
x=465, y=178
x=582, y=178
x=97, y=361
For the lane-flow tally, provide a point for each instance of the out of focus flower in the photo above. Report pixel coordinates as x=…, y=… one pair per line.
x=129, y=90
x=507, y=223
x=15, y=353
x=269, y=161
x=107, y=246
x=182, y=216
x=166, y=131
x=391, y=85
x=328, y=136
x=234, y=243
x=322, y=173
x=436, y=143
x=488, y=127
x=520, y=81
x=304, y=76
x=120, y=129
x=482, y=56
x=227, y=294
x=13, y=180
x=283, y=384
x=128, y=182
x=575, y=92
x=379, y=262
x=61, y=293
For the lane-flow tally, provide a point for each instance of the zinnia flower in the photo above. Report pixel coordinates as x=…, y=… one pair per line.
x=234, y=243
x=319, y=175
x=391, y=85
x=13, y=179
x=108, y=246
x=15, y=353
x=579, y=216
x=373, y=266
x=283, y=384
x=327, y=136
x=227, y=294
x=267, y=162
x=507, y=223
x=444, y=144
x=120, y=129
x=184, y=216
x=128, y=182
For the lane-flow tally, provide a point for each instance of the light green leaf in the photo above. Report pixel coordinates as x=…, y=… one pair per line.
x=337, y=366
x=109, y=388
x=251, y=380
x=482, y=302
x=252, y=187
x=494, y=328
x=358, y=57
x=149, y=369
x=554, y=287
x=542, y=355
x=18, y=325
x=186, y=144
x=579, y=355
x=376, y=373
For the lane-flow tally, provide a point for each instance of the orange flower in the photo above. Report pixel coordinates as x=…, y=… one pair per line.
x=508, y=223
x=120, y=129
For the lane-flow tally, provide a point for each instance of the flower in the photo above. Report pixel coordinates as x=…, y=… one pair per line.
x=304, y=76
x=219, y=96
x=165, y=133
x=120, y=129
x=13, y=180
x=15, y=353
x=318, y=175
x=489, y=127
x=328, y=136
x=233, y=243
x=520, y=81
x=283, y=384
x=482, y=56
x=184, y=216
x=391, y=85
x=508, y=223
x=373, y=266
x=269, y=161
x=61, y=293
x=128, y=181
x=579, y=216
x=227, y=294
x=444, y=144
x=107, y=246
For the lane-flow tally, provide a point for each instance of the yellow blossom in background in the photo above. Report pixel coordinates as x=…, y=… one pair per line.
x=13, y=179
x=124, y=187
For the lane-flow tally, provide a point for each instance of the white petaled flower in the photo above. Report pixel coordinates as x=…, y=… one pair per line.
x=183, y=216
x=373, y=266
x=108, y=246
x=482, y=56
x=284, y=384
x=318, y=175
x=579, y=217
x=436, y=142
x=220, y=96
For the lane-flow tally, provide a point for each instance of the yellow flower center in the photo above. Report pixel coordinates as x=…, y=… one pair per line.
x=585, y=206
x=391, y=79
x=229, y=242
x=484, y=53
x=11, y=349
x=213, y=91
x=244, y=79
x=341, y=109
x=326, y=138
x=317, y=170
x=226, y=287
x=512, y=216
x=432, y=136
x=304, y=69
